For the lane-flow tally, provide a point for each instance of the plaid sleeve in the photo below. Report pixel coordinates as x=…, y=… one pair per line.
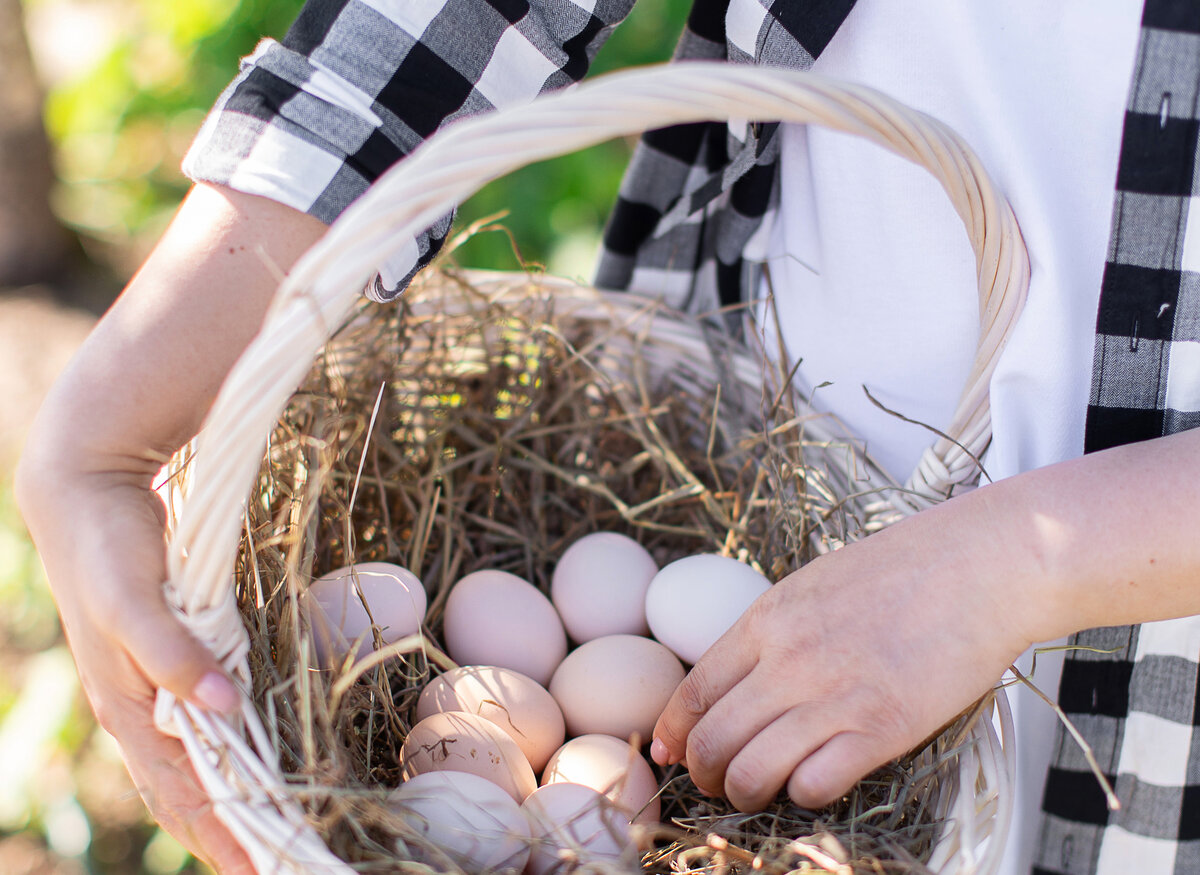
x=356, y=85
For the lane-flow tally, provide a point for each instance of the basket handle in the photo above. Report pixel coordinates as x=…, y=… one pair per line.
x=444, y=171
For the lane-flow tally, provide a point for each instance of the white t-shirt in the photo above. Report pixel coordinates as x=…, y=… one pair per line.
x=873, y=275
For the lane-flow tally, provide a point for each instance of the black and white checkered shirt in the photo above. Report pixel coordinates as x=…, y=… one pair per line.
x=1138, y=705
x=357, y=84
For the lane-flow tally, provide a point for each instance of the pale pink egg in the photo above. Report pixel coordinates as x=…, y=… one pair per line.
x=514, y=702
x=460, y=742
x=466, y=817
x=599, y=586
x=335, y=610
x=616, y=685
x=496, y=618
x=612, y=767
x=576, y=823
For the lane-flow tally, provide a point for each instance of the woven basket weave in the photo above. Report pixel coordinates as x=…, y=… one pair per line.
x=247, y=790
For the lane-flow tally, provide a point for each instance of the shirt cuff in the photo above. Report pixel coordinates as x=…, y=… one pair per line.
x=292, y=131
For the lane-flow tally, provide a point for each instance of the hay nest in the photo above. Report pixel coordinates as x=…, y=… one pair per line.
x=488, y=423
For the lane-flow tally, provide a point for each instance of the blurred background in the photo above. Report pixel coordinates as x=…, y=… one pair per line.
x=98, y=101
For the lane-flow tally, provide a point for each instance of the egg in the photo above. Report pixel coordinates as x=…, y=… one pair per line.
x=692, y=602
x=599, y=586
x=467, y=817
x=616, y=685
x=333, y=604
x=571, y=821
x=460, y=742
x=609, y=766
x=507, y=698
x=496, y=618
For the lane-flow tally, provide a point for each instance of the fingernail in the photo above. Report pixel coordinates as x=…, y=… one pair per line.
x=659, y=752
x=217, y=693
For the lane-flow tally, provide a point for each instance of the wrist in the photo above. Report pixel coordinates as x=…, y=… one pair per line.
x=1031, y=559
x=967, y=577
x=67, y=471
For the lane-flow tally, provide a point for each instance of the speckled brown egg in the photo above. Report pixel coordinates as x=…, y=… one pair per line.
x=514, y=702
x=461, y=742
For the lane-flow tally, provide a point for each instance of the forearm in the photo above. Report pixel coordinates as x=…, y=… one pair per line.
x=1106, y=539
x=141, y=384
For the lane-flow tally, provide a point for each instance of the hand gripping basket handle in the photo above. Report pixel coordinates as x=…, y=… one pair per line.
x=329, y=279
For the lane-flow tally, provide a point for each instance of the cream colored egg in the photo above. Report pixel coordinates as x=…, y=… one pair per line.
x=467, y=817
x=461, y=742
x=576, y=822
x=692, y=602
x=612, y=767
x=334, y=606
x=599, y=586
x=514, y=702
x=616, y=685
x=496, y=618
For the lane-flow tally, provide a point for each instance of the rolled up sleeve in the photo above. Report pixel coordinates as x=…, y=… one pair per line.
x=311, y=121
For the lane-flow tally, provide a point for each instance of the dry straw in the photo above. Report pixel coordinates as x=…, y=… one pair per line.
x=487, y=422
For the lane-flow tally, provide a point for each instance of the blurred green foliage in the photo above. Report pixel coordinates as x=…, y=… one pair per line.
x=66, y=805
x=28, y=622
x=121, y=127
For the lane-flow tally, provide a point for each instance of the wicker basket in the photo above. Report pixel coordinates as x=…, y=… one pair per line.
x=247, y=790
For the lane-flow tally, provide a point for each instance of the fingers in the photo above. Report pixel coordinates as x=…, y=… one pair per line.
x=802, y=748
x=831, y=770
x=731, y=723
x=755, y=775
x=171, y=658
x=158, y=764
x=719, y=669
x=121, y=558
x=171, y=790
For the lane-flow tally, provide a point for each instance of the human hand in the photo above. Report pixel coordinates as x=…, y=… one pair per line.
x=843, y=665
x=865, y=652
x=138, y=389
x=101, y=537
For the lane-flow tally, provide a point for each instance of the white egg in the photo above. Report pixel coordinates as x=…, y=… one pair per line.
x=465, y=816
x=599, y=586
x=334, y=605
x=576, y=822
x=692, y=602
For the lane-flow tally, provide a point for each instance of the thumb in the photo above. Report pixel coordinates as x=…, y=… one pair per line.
x=171, y=658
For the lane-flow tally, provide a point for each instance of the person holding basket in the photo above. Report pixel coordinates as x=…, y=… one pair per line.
x=1086, y=530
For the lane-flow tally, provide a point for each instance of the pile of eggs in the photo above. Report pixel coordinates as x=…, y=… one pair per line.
x=527, y=755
